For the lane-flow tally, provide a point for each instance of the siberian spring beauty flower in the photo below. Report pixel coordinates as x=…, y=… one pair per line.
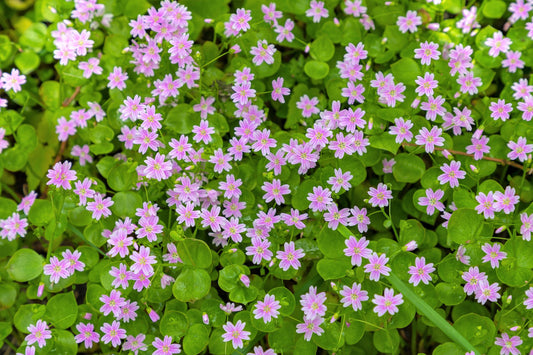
x=143, y=261
x=165, y=346
x=430, y=139
x=420, y=272
x=290, y=256
x=39, y=332
x=377, y=266
x=493, y=254
x=267, y=309
x=527, y=226
x=57, y=269
x=278, y=91
x=263, y=52
x=472, y=278
x=308, y=106
x=320, y=199
x=500, y=110
x=26, y=202
x=519, y=149
x=12, y=81
x=508, y=344
x=478, y=147
x=528, y=302
x=275, y=191
x=379, y=196
x=310, y=327
x=432, y=201
x=498, y=44
x=117, y=79
x=451, y=173
x=87, y=335
x=487, y=292
x=401, y=130
x=357, y=250
x=317, y=11
x=100, y=206
x=313, y=304
x=409, y=22
x=486, y=204
x=427, y=52
x=389, y=302
x=113, y=333
x=235, y=333
x=61, y=175
x=353, y=296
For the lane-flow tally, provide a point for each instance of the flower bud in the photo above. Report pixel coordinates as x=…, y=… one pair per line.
x=208, y=20
x=336, y=21
x=166, y=280
x=245, y=280
x=307, y=48
x=515, y=328
x=474, y=169
x=433, y=26
x=501, y=229
x=447, y=154
x=235, y=49
x=40, y=289
x=205, y=318
x=412, y=245
x=152, y=314
x=415, y=102
x=88, y=316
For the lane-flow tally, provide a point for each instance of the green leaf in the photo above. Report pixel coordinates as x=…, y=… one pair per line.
x=8, y=295
x=408, y=168
x=101, y=133
x=191, y=285
x=195, y=252
x=126, y=203
x=181, y=120
x=330, y=269
x=322, y=49
x=136, y=7
x=286, y=300
x=64, y=343
x=396, y=41
x=27, y=62
x=122, y=177
x=479, y=330
x=299, y=197
x=62, y=310
x=7, y=207
x=174, y=324
x=332, y=338
x=34, y=37
x=10, y=120
x=494, y=8
x=464, y=225
x=331, y=243
x=26, y=137
x=28, y=314
x=405, y=70
x=386, y=340
x=25, y=265
x=196, y=339
x=41, y=213
x=385, y=141
x=411, y=229
x=450, y=294
x=316, y=70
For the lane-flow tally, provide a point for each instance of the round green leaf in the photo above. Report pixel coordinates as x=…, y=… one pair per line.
x=299, y=197
x=196, y=339
x=450, y=294
x=28, y=314
x=191, y=285
x=195, y=252
x=41, y=213
x=386, y=341
x=25, y=265
x=322, y=48
x=408, y=168
x=174, y=324
x=405, y=70
x=27, y=61
x=330, y=269
x=464, y=225
x=285, y=298
x=126, y=203
x=62, y=310
x=332, y=338
x=8, y=295
x=122, y=177
x=316, y=70
x=494, y=8
x=64, y=343
x=477, y=329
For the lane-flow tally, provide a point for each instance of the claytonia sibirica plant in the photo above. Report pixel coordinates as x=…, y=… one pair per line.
x=266, y=177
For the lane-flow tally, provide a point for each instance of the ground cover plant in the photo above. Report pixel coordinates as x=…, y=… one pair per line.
x=266, y=177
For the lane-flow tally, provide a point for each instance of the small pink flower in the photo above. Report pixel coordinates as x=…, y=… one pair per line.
x=420, y=272
x=427, y=52
x=310, y=327
x=267, y=309
x=509, y=344
x=235, y=333
x=278, y=91
x=379, y=196
x=357, y=250
x=38, y=333
x=493, y=254
x=353, y=296
x=317, y=11
x=387, y=303
x=290, y=256
x=377, y=266
x=432, y=201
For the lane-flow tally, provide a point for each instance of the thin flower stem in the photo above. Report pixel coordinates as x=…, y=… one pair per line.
x=528, y=171
x=423, y=308
x=11, y=192
x=368, y=323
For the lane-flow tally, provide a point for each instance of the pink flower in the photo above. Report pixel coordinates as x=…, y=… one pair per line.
x=460, y=255
x=143, y=261
x=204, y=107
x=513, y=61
x=112, y=303
x=527, y=226
x=320, y=199
x=433, y=107
x=13, y=226
x=402, y=130
x=310, y=327
x=353, y=296
x=432, y=201
x=508, y=344
x=263, y=52
x=12, y=81
x=359, y=219
x=313, y=304
x=82, y=153
x=275, y=191
x=340, y=180
x=100, y=206
x=333, y=216
x=267, y=309
x=90, y=67
x=158, y=168
x=451, y=173
x=38, y=333
x=500, y=110
x=135, y=343
x=487, y=292
x=285, y=32
x=121, y=275
x=57, y=269
x=290, y=256
x=427, y=52
x=519, y=149
x=308, y=106
x=478, y=147
x=506, y=201
x=235, y=333
x=493, y=254
x=87, y=335
x=379, y=196
x=278, y=91
x=469, y=83
x=357, y=250
x=528, y=302
x=61, y=175
x=113, y=333
x=73, y=259
x=377, y=266
x=26, y=202
x=486, y=204
x=498, y=44
x=420, y=272
x=203, y=132
x=387, y=303
x=271, y=15
x=472, y=278
x=409, y=22
x=317, y=11
x=426, y=84
x=65, y=128
x=259, y=250
x=165, y=346
x=430, y=139
x=117, y=79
